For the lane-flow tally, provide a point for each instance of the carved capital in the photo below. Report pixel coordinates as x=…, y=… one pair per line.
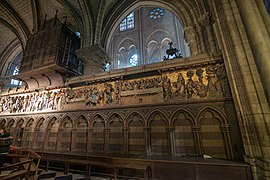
x=95, y=58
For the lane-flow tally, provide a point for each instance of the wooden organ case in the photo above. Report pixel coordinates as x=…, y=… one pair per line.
x=49, y=57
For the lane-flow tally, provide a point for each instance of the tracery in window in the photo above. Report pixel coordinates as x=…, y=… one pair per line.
x=127, y=23
x=148, y=42
x=156, y=13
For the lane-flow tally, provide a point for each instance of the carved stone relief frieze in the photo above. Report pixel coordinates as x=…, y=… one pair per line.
x=193, y=83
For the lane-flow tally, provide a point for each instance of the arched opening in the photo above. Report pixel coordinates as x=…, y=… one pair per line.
x=116, y=144
x=136, y=142
x=81, y=134
x=13, y=69
x=97, y=144
x=143, y=36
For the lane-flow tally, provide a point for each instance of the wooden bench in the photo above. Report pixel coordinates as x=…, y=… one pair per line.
x=16, y=170
x=85, y=162
x=89, y=164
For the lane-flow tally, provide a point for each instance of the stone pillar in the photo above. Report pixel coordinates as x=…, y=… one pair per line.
x=237, y=28
x=147, y=141
x=196, y=130
x=125, y=138
x=225, y=130
x=264, y=14
x=258, y=37
x=95, y=59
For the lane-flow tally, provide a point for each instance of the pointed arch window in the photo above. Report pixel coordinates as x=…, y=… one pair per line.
x=127, y=23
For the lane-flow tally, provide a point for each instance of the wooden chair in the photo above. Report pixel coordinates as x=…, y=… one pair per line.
x=15, y=171
x=31, y=155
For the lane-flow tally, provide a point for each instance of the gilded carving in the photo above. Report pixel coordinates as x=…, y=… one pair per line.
x=181, y=85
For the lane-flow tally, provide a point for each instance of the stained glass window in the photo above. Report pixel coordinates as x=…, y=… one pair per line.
x=156, y=13
x=128, y=22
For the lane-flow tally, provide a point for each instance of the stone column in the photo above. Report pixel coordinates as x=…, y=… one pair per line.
x=264, y=14
x=259, y=39
x=95, y=59
x=236, y=37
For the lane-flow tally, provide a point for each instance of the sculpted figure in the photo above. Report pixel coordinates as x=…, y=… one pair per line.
x=61, y=100
x=167, y=90
x=190, y=84
x=221, y=79
x=180, y=85
x=108, y=90
x=200, y=88
x=211, y=76
x=25, y=103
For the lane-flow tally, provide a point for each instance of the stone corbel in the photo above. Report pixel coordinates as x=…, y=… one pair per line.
x=95, y=59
